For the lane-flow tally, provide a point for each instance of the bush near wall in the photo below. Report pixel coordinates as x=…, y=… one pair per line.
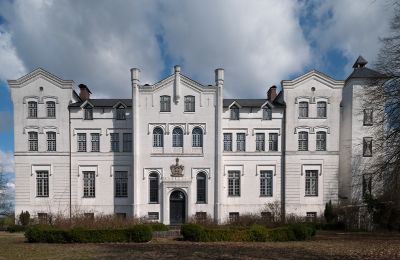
x=16, y=228
x=254, y=233
x=49, y=234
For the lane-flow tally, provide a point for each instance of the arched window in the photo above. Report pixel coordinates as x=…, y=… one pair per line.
x=32, y=109
x=303, y=141
x=321, y=141
x=303, y=109
x=158, y=137
x=321, y=109
x=51, y=108
x=165, y=104
x=201, y=187
x=189, y=104
x=234, y=112
x=177, y=137
x=153, y=187
x=197, y=137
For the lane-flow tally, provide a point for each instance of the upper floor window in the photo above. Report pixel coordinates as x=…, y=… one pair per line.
x=82, y=142
x=311, y=181
x=127, y=142
x=153, y=187
x=51, y=141
x=321, y=109
x=234, y=112
x=201, y=187
x=32, y=109
x=303, y=141
x=189, y=104
x=267, y=113
x=366, y=184
x=321, y=141
x=368, y=117
x=234, y=183
x=266, y=183
x=227, y=142
x=241, y=142
x=367, y=146
x=89, y=184
x=95, y=142
x=121, y=184
x=260, y=142
x=51, y=108
x=197, y=137
x=33, y=141
x=42, y=183
x=114, y=138
x=121, y=115
x=165, y=104
x=303, y=109
x=273, y=142
x=88, y=110
x=158, y=137
x=177, y=137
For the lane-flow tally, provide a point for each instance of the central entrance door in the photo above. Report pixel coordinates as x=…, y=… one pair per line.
x=177, y=204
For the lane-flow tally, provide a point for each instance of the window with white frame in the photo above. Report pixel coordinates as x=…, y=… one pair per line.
x=235, y=112
x=241, y=142
x=88, y=112
x=267, y=113
x=303, y=109
x=95, y=142
x=321, y=109
x=127, y=142
x=260, y=142
x=114, y=138
x=158, y=137
x=368, y=117
x=197, y=135
x=121, y=115
x=201, y=187
x=42, y=183
x=51, y=141
x=165, y=104
x=233, y=183
x=233, y=216
x=51, y=109
x=311, y=216
x=266, y=183
x=153, y=187
x=189, y=104
x=367, y=146
x=228, y=142
x=32, y=109
x=177, y=137
x=121, y=184
x=33, y=141
x=321, y=141
x=273, y=141
x=81, y=142
x=89, y=184
x=311, y=182
x=303, y=141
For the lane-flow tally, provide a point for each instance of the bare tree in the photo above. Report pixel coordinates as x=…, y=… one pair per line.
x=6, y=206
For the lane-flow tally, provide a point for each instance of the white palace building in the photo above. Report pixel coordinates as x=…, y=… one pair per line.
x=178, y=149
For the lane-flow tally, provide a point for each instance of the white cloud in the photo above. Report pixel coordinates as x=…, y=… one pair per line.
x=6, y=162
x=11, y=66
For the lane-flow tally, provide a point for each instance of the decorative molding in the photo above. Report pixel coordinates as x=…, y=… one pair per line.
x=147, y=171
x=302, y=128
x=272, y=130
x=195, y=171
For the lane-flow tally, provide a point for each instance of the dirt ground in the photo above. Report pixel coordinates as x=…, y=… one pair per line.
x=325, y=245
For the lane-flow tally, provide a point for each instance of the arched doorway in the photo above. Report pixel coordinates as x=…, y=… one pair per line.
x=177, y=207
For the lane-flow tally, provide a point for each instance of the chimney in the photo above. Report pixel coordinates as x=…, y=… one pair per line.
x=271, y=95
x=84, y=92
x=135, y=73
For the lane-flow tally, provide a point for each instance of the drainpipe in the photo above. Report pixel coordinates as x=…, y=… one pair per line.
x=70, y=166
x=283, y=165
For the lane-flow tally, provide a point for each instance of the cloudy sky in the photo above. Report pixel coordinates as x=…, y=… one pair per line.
x=258, y=43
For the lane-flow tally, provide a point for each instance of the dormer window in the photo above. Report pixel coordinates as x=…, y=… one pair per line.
x=88, y=112
x=267, y=113
x=321, y=109
x=121, y=115
x=189, y=104
x=234, y=112
x=165, y=104
x=303, y=109
x=32, y=109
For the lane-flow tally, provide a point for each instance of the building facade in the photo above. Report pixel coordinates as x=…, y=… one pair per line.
x=177, y=149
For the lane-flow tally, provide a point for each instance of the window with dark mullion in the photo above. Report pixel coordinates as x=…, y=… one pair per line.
x=241, y=142
x=114, y=137
x=311, y=181
x=51, y=141
x=303, y=109
x=227, y=142
x=33, y=141
x=303, y=141
x=273, y=142
x=51, y=109
x=121, y=184
x=32, y=109
x=89, y=184
x=127, y=142
x=260, y=142
x=233, y=183
x=95, y=142
x=189, y=104
x=42, y=183
x=165, y=104
x=201, y=187
x=81, y=142
x=321, y=109
x=153, y=187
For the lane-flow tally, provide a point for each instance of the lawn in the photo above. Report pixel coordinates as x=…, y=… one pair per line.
x=325, y=245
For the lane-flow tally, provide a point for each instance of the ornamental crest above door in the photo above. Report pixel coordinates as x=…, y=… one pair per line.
x=176, y=169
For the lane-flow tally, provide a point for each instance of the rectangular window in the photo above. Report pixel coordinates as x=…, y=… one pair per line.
x=233, y=216
x=51, y=109
x=366, y=184
x=42, y=183
x=368, y=117
x=241, y=142
x=153, y=216
x=127, y=142
x=321, y=141
x=189, y=104
x=266, y=183
x=43, y=218
x=121, y=184
x=267, y=113
x=165, y=104
x=273, y=142
x=367, y=146
x=311, y=181
x=32, y=109
x=81, y=142
x=303, y=109
x=88, y=113
x=234, y=183
x=121, y=113
x=33, y=141
x=234, y=113
x=228, y=142
x=303, y=141
x=311, y=216
x=260, y=142
x=201, y=216
x=89, y=184
x=114, y=137
x=51, y=141
x=95, y=142
x=321, y=109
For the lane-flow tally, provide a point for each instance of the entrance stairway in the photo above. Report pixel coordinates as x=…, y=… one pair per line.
x=174, y=232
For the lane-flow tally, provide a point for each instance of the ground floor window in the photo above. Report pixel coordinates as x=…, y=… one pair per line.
x=153, y=215
x=43, y=218
x=311, y=182
x=233, y=216
x=89, y=185
x=311, y=216
x=201, y=216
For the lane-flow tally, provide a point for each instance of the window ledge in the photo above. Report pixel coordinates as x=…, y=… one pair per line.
x=84, y=197
x=266, y=196
x=311, y=196
x=154, y=203
x=201, y=203
x=189, y=112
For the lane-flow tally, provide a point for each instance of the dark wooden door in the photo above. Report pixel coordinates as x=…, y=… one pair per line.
x=177, y=211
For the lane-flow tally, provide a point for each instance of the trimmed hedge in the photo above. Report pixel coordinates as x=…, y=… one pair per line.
x=48, y=234
x=16, y=228
x=158, y=227
x=255, y=233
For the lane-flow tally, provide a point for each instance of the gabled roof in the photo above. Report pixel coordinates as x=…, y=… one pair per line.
x=104, y=102
x=39, y=72
x=360, y=71
x=250, y=102
x=360, y=62
x=315, y=74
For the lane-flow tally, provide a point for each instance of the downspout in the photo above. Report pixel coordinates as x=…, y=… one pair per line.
x=283, y=168
x=70, y=166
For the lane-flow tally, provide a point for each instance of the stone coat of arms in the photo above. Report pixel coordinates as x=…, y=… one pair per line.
x=176, y=169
